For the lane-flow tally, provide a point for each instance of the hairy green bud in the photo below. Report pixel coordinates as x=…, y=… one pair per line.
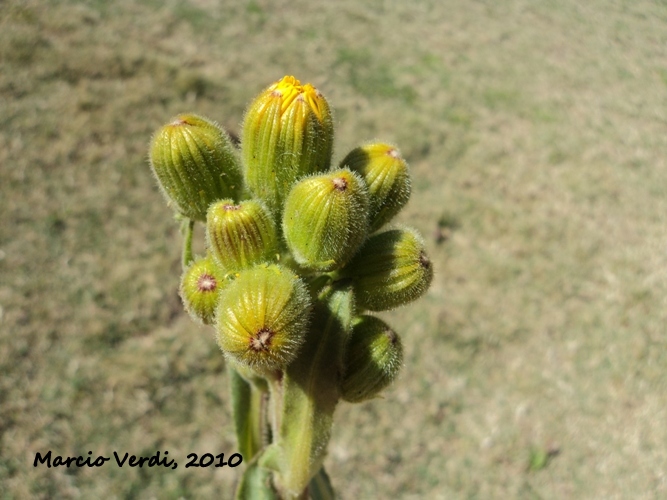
x=326, y=219
x=373, y=358
x=387, y=177
x=240, y=236
x=390, y=270
x=262, y=317
x=200, y=288
x=287, y=134
x=195, y=164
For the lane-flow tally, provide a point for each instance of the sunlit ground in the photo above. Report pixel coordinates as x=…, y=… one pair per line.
x=536, y=366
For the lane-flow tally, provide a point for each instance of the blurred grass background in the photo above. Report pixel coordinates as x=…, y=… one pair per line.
x=536, y=367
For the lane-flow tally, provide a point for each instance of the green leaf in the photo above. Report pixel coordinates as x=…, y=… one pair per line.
x=320, y=487
x=256, y=484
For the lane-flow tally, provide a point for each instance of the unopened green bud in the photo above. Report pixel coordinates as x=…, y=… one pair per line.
x=387, y=177
x=240, y=236
x=287, y=133
x=262, y=317
x=373, y=358
x=390, y=270
x=326, y=219
x=200, y=288
x=195, y=164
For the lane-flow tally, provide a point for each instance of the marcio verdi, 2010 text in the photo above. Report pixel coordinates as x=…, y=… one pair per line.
x=194, y=460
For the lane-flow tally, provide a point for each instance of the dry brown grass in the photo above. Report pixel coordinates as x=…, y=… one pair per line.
x=536, y=135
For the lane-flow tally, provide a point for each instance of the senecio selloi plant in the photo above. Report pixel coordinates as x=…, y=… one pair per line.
x=297, y=256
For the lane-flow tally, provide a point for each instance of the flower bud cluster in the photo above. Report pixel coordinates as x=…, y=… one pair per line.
x=279, y=218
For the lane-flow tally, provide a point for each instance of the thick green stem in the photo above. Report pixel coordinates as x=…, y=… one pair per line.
x=275, y=404
x=187, y=228
x=310, y=392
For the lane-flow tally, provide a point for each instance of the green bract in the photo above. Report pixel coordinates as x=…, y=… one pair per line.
x=262, y=317
x=390, y=270
x=240, y=236
x=200, y=289
x=195, y=164
x=386, y=174
x=326, y=219
x=373, y=358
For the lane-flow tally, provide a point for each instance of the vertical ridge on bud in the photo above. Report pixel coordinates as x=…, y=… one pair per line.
x=195, y=164
x=326, y=219
x=262, y=317
x=372, y=360
x=390, y=270
x=200, y=288
x=387, y=177
x=240, y=236
x=287, y=134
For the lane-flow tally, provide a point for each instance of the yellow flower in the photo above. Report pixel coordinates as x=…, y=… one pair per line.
x=289, y=88
x=287, y=134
